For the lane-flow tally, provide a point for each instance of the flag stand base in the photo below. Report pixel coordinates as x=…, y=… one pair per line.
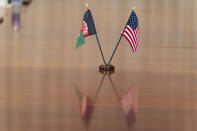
x=1, y=19
x=106, y=69
x=26, y=2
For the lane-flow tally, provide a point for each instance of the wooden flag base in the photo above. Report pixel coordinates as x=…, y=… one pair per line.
x=26, y=2
x=1, y=19
x=106, y=68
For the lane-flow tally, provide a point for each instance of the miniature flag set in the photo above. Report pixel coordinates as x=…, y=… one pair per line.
x=131, y=32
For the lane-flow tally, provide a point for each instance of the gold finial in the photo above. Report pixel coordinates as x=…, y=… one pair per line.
x=134, y=7
x=87, y=5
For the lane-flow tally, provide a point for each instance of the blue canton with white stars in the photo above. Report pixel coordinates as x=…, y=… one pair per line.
x=133, y=21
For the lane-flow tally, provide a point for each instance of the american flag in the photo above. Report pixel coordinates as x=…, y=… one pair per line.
x=132, y=31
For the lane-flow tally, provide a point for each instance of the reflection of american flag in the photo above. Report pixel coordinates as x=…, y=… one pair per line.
x=83, y=105
x=129, y=101
x=131, y=32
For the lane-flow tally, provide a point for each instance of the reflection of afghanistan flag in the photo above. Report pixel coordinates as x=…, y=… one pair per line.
x=87, y=28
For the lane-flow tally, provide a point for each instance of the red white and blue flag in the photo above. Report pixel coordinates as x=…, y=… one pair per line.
x=132, y=31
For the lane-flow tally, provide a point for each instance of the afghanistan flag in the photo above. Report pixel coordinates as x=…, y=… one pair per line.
x=87, y=28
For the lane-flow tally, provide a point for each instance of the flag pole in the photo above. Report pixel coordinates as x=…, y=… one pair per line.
x=118, y=43
x=100, y=48
x=114, y=88
x=100, y=85
x=115, y=49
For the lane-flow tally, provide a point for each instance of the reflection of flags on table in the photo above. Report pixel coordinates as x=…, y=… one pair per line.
x=86, y=110
x=132, y=31
x=83, y=105
x=129, y=101
x=129, y=106
x=86, y=107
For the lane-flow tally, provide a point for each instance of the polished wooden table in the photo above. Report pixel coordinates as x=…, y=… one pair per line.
x=47, y=85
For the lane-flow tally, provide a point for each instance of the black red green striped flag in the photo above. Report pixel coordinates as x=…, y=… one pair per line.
x=87, y=28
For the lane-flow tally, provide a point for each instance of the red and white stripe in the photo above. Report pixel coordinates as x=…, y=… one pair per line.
x=132, y=36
